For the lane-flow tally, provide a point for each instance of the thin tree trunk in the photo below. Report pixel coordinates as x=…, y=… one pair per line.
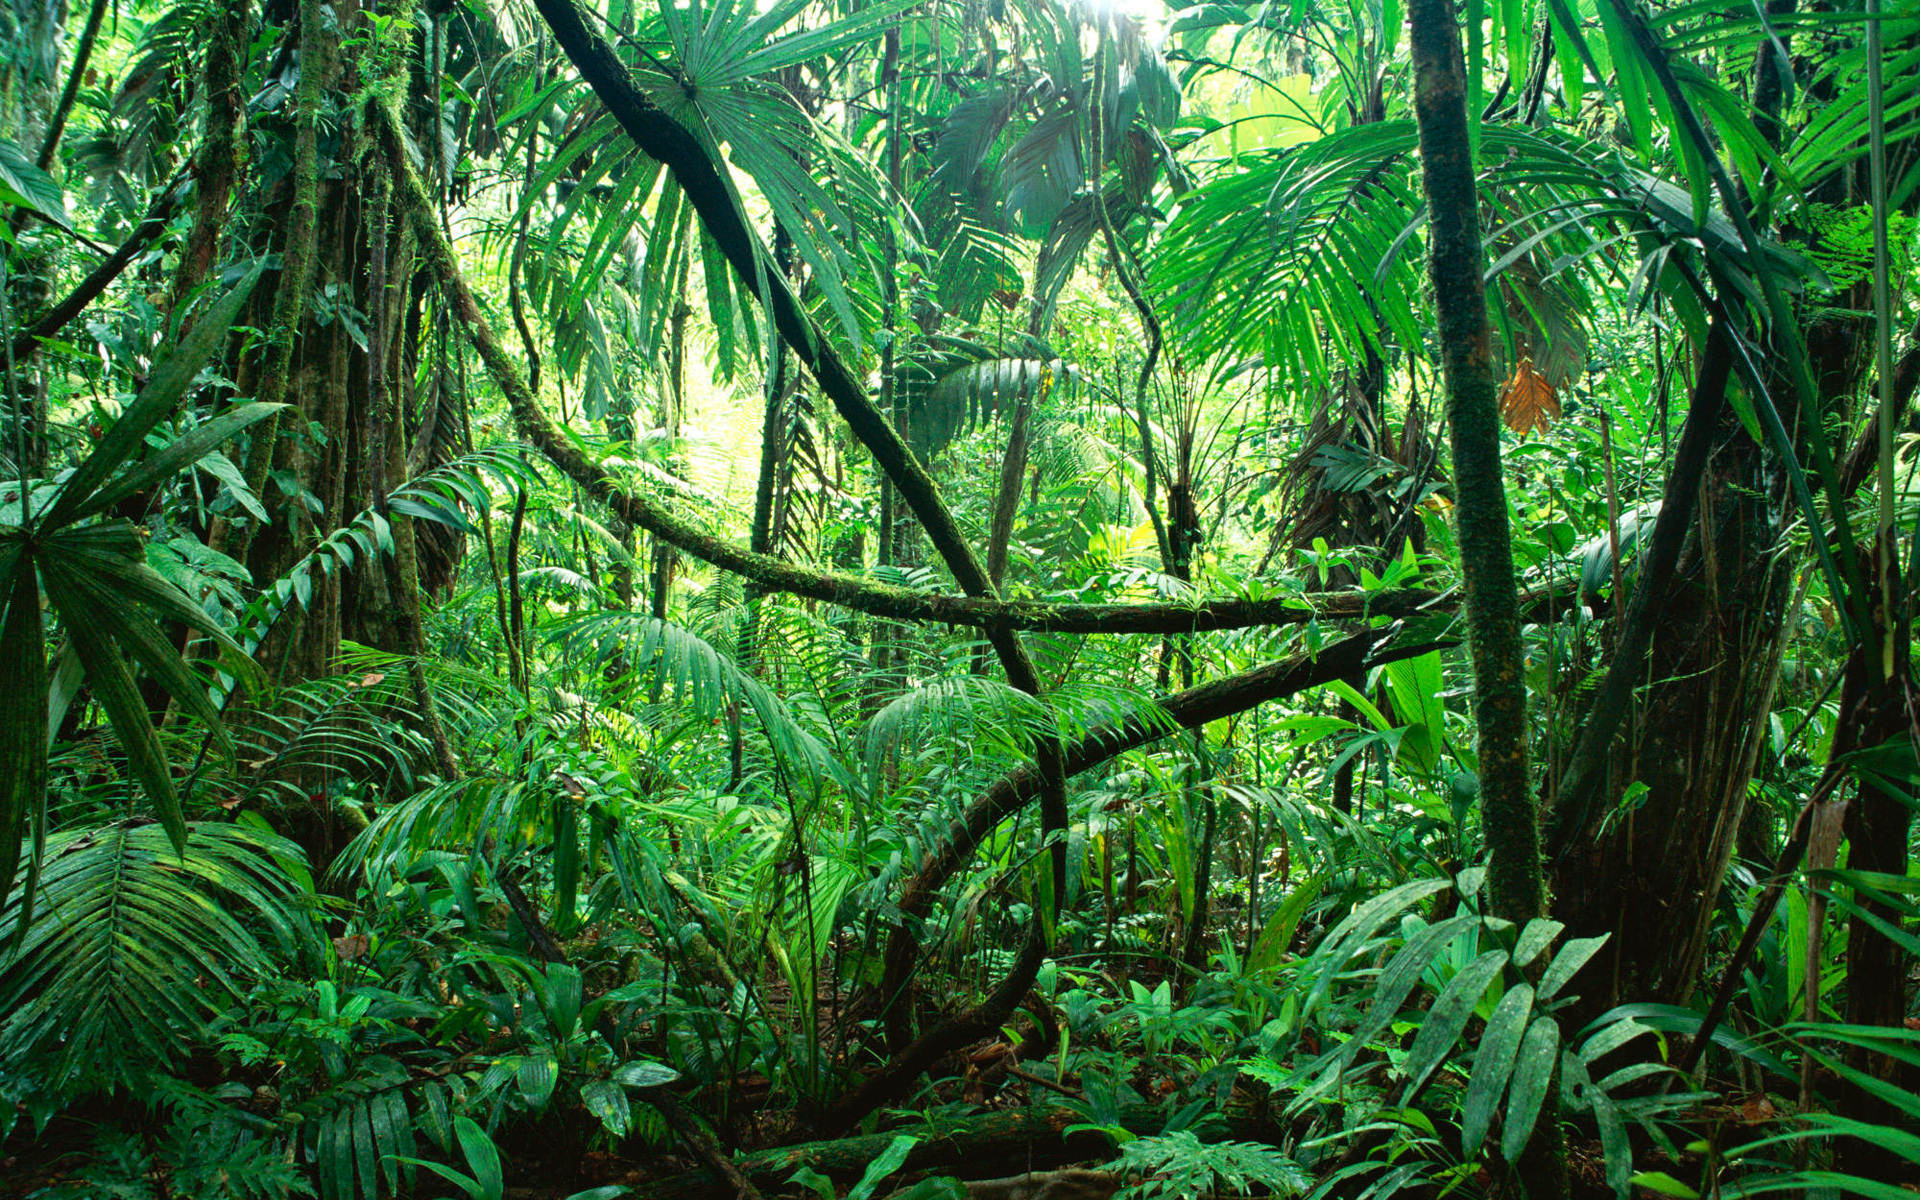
x=1456, y=263
x=82, y=56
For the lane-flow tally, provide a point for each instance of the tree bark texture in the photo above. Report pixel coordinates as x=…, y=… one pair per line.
x=1455, y=262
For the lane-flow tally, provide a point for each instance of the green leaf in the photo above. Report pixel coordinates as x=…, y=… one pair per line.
x=1493, y=1066
x=182, y=452
x=1417, y=686
x=366, y=1153
x=395, y=1134
x=1566, y=964
x=607, y=1101
x=538, y=1074
x=1615, y=1148
x=135, y=633
x=1278, y=932
x=223, y=468
x=1537, y=936
x=1819, y=1183
x=483, y=1158
x=640, y=1073
x=113, y=555
x=114, y=688
x=1663, y=1184
x=1440, y=1033
x=465, y=1183
x=890, y=1160
x=64, y=681
x=133, y=946
x=439, y=514
x=24, y=185
x=1346, y=938
x=814, y=1181
x=1401, y=976
x=561, y=997
x=1532, y=1075
x=766, y=56
x=165, y=388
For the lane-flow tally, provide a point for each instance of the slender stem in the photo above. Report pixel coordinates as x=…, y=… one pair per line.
x=1887, y=559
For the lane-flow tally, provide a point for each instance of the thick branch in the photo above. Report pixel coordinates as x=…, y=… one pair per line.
x=849, y=591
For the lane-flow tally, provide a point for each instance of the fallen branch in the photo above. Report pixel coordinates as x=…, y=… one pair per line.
x=1019, y=1139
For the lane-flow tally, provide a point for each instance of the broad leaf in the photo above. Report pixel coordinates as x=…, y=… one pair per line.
x=1532, y=1077
x=1493, y=1066
x=1446, y=1021
x=24, y=185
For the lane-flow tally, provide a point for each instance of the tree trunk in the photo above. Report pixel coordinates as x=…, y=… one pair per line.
x=1486, y=550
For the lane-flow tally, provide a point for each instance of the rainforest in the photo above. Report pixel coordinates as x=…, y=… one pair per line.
x=959, y=599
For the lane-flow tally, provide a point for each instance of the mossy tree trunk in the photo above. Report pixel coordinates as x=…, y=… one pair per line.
x=1456, y=265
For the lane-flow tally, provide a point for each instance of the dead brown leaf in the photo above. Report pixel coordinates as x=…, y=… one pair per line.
x=1528, y=401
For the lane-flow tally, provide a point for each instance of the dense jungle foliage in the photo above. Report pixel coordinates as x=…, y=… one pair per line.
x=1012, y=599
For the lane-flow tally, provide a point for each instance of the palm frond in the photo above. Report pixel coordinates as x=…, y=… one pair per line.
x=659, y=659
x=130, y=946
